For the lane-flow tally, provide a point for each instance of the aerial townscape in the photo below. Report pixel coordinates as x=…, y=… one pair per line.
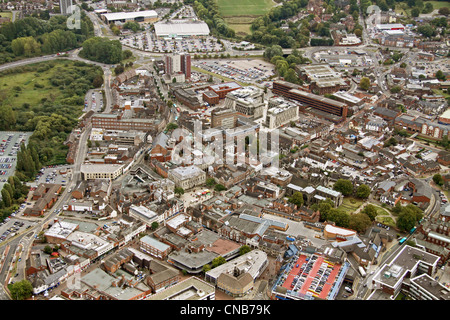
x=236, y=150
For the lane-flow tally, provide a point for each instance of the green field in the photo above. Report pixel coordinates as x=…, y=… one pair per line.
x=436, y=6
x=244, y=7
x=239, y=14
x=350, y=204
x=17, y=89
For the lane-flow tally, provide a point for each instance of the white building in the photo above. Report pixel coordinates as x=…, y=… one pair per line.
x=187, y=177
x=101, y=171
x=181, y=28
x=280, y=114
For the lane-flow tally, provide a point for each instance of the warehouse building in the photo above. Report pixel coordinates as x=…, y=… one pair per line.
x=181, y=28
x=148, y=16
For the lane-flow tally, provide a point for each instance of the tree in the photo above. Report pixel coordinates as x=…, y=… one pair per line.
x=364, y=83
x=48, y=249
x=341, y=218
x=179, y=191
x=297, y=199
x=154, y=225
x=6, y=198
x=344, y=186
x=210, y=182
x=408, y=217
x=359, y=222
x=272, y=51
x=219, y=187
x=21, y=290
x=363, y=191
x=437, y=178
x=244, y=249
x=444, y=11
x=171, y=126
x=415, y=12
x=371, y=211
x=390, y=142
x=217, y=261
x=119, y=69
x=426, y=30
x=206, y=268
x=440, y=75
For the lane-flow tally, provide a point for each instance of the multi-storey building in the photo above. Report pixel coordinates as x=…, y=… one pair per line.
x=248, y=101
x=335, y=110
x=280, y=113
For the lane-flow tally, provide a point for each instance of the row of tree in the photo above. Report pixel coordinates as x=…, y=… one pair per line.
x=346, y=187
x=285, y=67
x=13, y=193
x=208, y=11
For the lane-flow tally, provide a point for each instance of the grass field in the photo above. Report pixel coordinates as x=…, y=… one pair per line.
x=239, y=14
x=28, y=93
x=7, y=14
x=244, y=7
x=436, y=6
x=350, y=204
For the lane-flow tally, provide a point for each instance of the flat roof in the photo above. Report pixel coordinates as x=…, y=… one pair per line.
x=155, y=243
x=190, y=289
x=250, y=262
x=181, y=29
x=130, y=15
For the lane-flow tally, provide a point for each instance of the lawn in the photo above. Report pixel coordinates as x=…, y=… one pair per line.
x=244, y=7
x=239, y=14
x=7, y=14
x=385, y=220
x=436, y=5
x=28, y=93
x=350, y=204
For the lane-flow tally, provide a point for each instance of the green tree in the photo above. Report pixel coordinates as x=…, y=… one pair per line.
x=371, y=211
x=48, y=249
x=437, y=178
x=297, y=199
x=440, y=75
x=206, y=268
x=219, y=187
x=217, y=261
x=244, y=249
x=341, y=218
x=6, y=198
x=408, y=217
x=364, y=83
x=210, y=182
x=444, y=11
x=363, y=191
x=21, y=290
x=179, y=191
x=344, y=186
x=171, y=126
x=154, y=225
x=359, y=222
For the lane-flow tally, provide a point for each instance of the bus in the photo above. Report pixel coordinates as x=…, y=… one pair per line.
x=412, y=230
x=402, y=240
